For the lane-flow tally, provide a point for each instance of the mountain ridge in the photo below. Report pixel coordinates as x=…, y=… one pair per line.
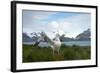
x=84, y=36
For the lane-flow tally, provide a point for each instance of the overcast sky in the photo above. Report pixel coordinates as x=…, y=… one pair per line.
x=70, y=23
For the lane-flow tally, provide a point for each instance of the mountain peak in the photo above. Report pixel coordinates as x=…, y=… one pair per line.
x=26, y=38
x=85, y=35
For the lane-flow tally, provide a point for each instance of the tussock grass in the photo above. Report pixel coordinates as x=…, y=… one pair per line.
x=40, y=54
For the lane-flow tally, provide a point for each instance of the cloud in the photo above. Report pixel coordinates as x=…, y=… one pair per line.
x=72, y=24
x=75, y=24
x=42, y=15
x=34, y=18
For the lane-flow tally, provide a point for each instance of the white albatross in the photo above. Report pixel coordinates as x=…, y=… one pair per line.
x=55, y=43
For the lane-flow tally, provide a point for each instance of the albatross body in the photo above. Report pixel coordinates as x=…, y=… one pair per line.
x=54, y=43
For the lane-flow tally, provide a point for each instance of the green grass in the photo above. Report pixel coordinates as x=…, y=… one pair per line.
x=37, y=54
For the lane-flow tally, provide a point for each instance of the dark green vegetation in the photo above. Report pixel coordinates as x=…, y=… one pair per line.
x=37, y=54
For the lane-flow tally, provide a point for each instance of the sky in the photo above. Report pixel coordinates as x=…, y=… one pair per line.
x=69, y=23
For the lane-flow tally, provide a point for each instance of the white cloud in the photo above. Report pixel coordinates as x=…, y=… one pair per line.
x=54, y=24
x=75, y=24
x=42, y=15
x=36, y=21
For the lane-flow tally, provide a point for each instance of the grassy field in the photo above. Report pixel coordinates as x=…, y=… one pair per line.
x=39, y=54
